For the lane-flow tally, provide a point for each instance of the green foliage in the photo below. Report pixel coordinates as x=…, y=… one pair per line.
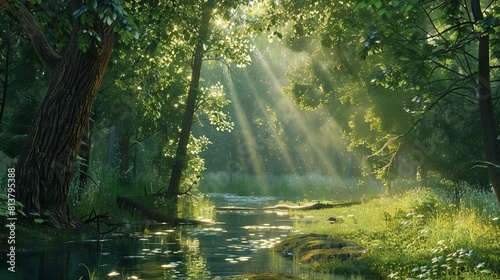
x=405, y=93
x=439, y=243
x=25, y=82
x=110, y=12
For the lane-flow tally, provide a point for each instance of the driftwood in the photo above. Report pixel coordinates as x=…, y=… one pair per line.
x=313, y=206
x=235, y=208
x=127, y=203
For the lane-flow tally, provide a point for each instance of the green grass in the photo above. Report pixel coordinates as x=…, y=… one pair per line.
x=416, y=235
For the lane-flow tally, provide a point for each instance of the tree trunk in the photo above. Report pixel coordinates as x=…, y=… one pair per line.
x=84, y=153
x=47, y=162
x=488, y=124
x=181, y=154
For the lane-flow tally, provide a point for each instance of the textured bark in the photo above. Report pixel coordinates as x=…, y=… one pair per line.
x=181, y=153
x=47, y=162
x=488, y=124
x=84, y=154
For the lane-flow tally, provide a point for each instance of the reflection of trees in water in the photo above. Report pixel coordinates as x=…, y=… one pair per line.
x=196, y=265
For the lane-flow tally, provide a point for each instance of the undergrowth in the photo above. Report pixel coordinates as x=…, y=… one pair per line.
x=417, y=235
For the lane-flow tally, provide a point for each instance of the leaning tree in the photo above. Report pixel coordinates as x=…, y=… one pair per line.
x=76, y=58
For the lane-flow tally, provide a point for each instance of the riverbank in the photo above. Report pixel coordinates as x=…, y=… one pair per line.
x=414, y=235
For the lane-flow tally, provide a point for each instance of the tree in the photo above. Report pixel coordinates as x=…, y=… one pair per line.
x=189, y=111
x=211, y=42
x=410, y=60
x=77, y=65
x=447, y=43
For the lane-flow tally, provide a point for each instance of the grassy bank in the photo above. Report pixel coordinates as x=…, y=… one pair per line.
x=416, y=235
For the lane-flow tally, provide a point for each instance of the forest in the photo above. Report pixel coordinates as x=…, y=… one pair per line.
x=117, y=116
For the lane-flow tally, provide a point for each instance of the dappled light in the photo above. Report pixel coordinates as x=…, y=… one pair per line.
x=250, y=139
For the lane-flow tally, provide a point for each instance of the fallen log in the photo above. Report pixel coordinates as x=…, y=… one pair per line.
x=127, y=203
x=313, y=206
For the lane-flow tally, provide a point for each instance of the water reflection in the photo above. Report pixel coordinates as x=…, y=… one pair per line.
x=238, y=243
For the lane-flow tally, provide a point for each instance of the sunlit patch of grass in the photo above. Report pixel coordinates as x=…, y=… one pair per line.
x=416, y=235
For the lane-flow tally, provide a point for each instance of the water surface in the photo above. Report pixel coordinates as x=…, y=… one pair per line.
x=238, y=243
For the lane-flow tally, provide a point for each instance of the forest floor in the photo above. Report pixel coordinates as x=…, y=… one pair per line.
x=414, y=235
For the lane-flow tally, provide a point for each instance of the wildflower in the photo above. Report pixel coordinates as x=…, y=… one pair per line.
x=464, y=251
x=394, y=275
x=438, y=259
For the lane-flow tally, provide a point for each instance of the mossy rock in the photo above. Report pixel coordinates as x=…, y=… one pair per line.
x=308, y=248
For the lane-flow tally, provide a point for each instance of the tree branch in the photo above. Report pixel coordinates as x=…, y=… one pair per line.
x=32, y=27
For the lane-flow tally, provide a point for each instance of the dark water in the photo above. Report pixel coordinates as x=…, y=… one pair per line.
x=238, y=243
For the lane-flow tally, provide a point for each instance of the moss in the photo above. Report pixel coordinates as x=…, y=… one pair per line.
x=318, y=247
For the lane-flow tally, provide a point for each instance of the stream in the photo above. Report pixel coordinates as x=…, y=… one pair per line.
x=238, y=243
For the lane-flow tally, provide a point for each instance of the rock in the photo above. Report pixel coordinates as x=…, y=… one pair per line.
x=319, y=247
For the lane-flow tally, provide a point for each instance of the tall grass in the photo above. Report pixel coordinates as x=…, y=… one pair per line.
x=100, y=196
x=419, y=235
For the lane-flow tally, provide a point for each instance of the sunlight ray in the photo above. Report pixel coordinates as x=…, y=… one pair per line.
x=249, y=142
x=310, y=152
x=276, y=137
